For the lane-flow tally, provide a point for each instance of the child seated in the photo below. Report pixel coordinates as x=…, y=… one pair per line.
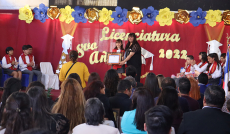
x=188, y=69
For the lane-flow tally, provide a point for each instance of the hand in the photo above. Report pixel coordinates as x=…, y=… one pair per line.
x=32, y=63
x=13, y=63
x=186, y=64
x=209, y=76
x=197, y=73
x=122, y=63
x=16, y=63
x=109, y=64
x=29, y=64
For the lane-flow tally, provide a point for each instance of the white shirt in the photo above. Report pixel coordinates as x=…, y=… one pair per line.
x=2, y=131
x=5, y=65
x=118, y=51
x=22, y=65
x=201, y=69
x=217, y=72
x=192, y=70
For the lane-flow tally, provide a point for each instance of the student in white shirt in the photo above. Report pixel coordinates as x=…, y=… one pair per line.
x=201, y=67
x=188, y=69
x=10, y=64
x=27, y=64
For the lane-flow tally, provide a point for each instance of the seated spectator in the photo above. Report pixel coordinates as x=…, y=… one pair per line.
x=97, y=89
x=228, y=106
x=224, y=108
x=132, y=121
x=195, y=91
x=131, y=71
x=76, y=77
x=111, y=80
x=133, y=83
x=184, y=89
x=172, y=103
x=94, y=115
x=203, y=81
x=93, y=77
x=210, y=119
x=37, y=131
x=151, y=83
x=171, y=82
x=160, y=78
x=11, y=85
x=158, y=120
x=17, y=114
x=71, y=103
x=42, y=116
x=122, y=99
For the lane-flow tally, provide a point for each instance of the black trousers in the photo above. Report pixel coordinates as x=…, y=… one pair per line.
x=138, y=76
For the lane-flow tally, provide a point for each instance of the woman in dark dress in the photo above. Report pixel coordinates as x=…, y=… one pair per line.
x=133, y=55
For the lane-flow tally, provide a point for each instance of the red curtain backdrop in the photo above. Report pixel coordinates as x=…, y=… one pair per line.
x=47, y=43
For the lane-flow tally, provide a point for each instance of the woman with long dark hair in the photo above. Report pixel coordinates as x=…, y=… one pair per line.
x=213, y=69
x=111, y=80
x=169, y=98
x=42, y=116
x=17, y=114
x=133, y=55
x=202, y=65
x=151, y=83
x=132, y=121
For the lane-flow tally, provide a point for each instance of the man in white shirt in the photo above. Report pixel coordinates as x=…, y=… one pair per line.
x=27, y=64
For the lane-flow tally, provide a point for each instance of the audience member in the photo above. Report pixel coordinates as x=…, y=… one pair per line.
x=71, y=103
x=184, y=89
x=17, y=114
x=94, y=115
x=132, y=121
x=131, y=71
x=133, y=83
x=73, y=66
x=203, y=81
x=42, y=116
x=11, y=85
x=93, y=77
x=209, y=120
x=171, y=82
x=151, y=83
x=76, y=77
x=97, y=89
x=169, y=98
x=160, y=77
x=158, y=120
x=35, y=83
x=111, y=80
x=37, y=131
x=228, y=106
x=224, y=108
x=122, y=99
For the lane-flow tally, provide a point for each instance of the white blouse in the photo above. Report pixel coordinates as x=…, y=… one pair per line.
x=201, y=69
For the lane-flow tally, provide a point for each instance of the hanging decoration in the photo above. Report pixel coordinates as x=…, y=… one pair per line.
x=198, y=17
x=149, y=15
x=165, y=17
x=25, y=13
x=78, y=14
x=182, y=16
x=66, y=14
x=119, y=16
x=41, y=13
x=105, y=16
x=53, y=12
x=92, y=14
x=135, y=16
x=226, y=17
x=212, y=17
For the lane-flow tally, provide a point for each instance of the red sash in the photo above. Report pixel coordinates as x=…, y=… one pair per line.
x=24, y=60
x=9, y=61
x=203, y=64
x=213, y=69
x=188, y=69
x=222, y=64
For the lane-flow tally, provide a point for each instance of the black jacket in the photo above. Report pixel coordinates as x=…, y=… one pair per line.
x=205, y=121
x=121, y=101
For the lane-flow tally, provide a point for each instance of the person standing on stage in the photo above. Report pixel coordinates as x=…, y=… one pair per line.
x=133, y=54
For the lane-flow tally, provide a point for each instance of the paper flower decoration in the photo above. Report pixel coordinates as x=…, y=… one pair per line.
x=105, y=16
x=149, y=15
x=41, y=13
x=135, y=16
x=226, y=17
x=182, y=16
x=165, y=17
x=92, y=14
x=25, y=13
x=119, y=16
x=198, y=17
x=212, y=17
x=78, y=14
x=66, y=14
x=53, y=12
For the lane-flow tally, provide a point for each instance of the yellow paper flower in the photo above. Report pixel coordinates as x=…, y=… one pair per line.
x=105, y=16
x=212, y=17
x=66, y=14
x=25, y=13
x=165, y=17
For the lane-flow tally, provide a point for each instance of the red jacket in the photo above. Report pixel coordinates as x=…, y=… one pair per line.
x=117, y=66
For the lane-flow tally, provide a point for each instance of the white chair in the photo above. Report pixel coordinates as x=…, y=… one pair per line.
x=49, y=79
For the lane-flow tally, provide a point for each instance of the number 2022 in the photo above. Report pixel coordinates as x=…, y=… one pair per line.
x=169, y=54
